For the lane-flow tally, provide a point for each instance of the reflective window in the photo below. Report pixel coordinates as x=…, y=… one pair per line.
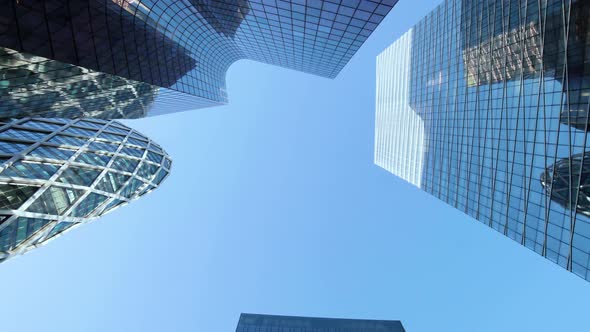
x=30, y=170
x=88, y=205
x=131, y=188
x=52, y=153
x=487, y=110
x=13, y=196
x=79, y=175
x=41, y=125
x=55, y=200
x=124, y=164
x=22, y=134
x=67, y=140
x=94, y=159
x=83, y=187
x=11, y=148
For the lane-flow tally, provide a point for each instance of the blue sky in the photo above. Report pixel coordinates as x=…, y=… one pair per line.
x=274, y=206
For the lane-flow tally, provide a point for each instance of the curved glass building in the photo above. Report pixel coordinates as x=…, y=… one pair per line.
x=57, y=174
x=185, y=47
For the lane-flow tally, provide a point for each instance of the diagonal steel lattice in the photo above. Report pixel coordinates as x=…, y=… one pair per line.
x=57, y=174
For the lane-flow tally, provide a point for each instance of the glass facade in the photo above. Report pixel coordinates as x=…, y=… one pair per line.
x=187, y=46
x=59, y=173
x=498, y=93
x=34, y=86
x=272, y=323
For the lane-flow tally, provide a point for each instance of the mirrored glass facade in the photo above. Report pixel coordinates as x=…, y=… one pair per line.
x=34, y=86
x=57, y=174
x=501, y=90
x=273, y=323
x=188, y=45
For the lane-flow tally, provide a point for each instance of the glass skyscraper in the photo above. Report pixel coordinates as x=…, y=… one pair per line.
x=485, y=105
x=272, y=323
x=38, y=87
x=183, y=48
x=56, y=174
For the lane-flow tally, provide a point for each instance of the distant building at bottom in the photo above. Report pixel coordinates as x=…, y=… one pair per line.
x=274, y=323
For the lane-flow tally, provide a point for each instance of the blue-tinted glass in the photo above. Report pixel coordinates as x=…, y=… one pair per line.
x=112, y=182
x=272, y=323
x=19, y=230
x=80, y=132
x=30, y=170
x=11, y=148
x=131, y=151
x=161, y=175
x=52, y=153
x=137, y=142
x=59, y=228
x=152, y=156
x=147, y=171
x=111, y=137
x=131, y=188
x=88, y=205
x=176, y=51
x=55, y=200
x=94, y=159
x=67, y=140
x=41, y=125
x=102, y=146
x=79, y=175
x=22, y=134
x=484, y=105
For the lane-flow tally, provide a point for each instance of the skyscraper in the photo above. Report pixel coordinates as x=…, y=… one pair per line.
x=273, y=323
x=185, y=47
x=484, y=104
x=57, y=174
x=34, y=86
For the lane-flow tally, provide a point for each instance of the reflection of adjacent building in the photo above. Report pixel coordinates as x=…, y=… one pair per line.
x=39, y=87
x=275, y=323
x=187, y=46
x=224, y=16
x=568, y=182
x=535, y=49
x=82, y=33
x=57, y=174
x=503, y=96
x=576, y=118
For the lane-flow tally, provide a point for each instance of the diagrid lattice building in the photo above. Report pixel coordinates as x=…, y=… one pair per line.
x=57, y=174
x=485, y=105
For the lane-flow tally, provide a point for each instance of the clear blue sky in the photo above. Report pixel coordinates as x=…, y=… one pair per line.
x=274, y=206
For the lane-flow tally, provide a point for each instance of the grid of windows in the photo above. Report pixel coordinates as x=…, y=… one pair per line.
x=49, y=185
x=39, y=87
x=187, y=45
x=273, y=323
x=97, y=35
x=399, y=135
x=503, y=90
